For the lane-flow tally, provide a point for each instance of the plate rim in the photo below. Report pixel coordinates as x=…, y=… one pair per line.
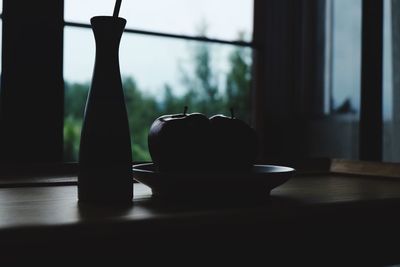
x=176, y=185
x=284, y=170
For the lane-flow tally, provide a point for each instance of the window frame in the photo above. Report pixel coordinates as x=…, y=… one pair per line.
x=371, y=112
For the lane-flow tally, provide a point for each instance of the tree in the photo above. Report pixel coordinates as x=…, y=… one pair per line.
x=238, y=83
x=203, y=94
x=142, y=111
x=75, y=99
x=201, y=79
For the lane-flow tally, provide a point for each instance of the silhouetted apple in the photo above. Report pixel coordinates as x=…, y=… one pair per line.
x=234, y=144
x=180, y=142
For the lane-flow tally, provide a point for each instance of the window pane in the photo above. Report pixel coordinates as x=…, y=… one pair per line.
x=391, y=81
x=1, y=31
x=1, y=42
x=346, y=59
x=222, y=19
x=201, y=75
x=336, y=133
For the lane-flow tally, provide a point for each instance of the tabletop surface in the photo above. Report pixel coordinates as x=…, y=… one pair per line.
x=337, y=212
x=58, y=205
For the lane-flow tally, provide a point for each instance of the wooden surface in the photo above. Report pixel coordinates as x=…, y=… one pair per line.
x=349, y=218
x=58, y=206
x=365, y=168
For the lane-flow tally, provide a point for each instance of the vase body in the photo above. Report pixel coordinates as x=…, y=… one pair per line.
x=105, y=157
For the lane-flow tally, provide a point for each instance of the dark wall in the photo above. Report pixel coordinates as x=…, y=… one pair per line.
x=32, y=81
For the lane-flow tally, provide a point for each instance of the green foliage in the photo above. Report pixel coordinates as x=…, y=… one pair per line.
x=142, y=110
x=72, y=132
x=204, y=94
x=74, y=105
x=75, y=99
x=238, y=83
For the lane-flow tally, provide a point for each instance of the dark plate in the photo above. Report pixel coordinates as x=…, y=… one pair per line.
x=257, y=182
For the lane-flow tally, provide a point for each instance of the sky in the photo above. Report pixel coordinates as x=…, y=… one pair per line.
x=155, y=61
x=225, y=17
x=387, y=63
x=347, y=54
x=346, y=67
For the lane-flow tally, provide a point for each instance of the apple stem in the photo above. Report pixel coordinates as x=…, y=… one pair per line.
x=185, y=110
x=232, y=113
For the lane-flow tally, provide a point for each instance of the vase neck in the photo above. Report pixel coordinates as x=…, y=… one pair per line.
x=107, y=32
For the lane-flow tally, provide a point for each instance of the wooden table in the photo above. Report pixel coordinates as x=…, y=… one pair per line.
x=314, y=218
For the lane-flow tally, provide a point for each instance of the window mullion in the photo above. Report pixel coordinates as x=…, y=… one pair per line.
x=371, y=124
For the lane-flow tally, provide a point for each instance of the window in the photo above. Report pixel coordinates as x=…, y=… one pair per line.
x=336, y=133
x=1, y=24
x=320, y=70
x=173, y=53
x=307, y=59
x=391, y=84
x=355, y=64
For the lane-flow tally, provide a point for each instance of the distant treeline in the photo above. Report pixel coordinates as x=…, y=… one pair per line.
x=203, y=94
